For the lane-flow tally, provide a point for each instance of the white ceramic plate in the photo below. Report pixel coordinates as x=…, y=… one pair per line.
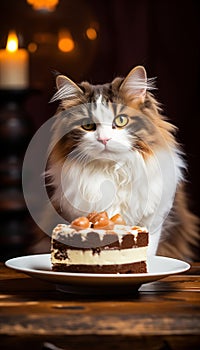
x=39, y=266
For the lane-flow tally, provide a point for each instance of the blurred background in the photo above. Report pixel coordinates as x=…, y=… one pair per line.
x=96, y=41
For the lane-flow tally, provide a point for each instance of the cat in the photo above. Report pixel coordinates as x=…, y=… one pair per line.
x=112, y=149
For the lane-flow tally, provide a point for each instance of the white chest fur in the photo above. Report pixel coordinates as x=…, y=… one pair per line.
x=142, y=191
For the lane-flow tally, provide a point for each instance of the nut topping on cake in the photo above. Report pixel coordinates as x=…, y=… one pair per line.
x=80, y=223
x=103, y=223
x=98, y=221
x=118, y=220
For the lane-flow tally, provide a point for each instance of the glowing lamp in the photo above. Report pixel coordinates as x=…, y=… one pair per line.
x=91, y=33
x=65, y=41
x=43, y=5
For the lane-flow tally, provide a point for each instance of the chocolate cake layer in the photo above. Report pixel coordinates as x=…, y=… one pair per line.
x=92, y=240
x=138, y=267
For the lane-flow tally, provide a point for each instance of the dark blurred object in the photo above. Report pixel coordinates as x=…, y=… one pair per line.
x=15, y=133
x=49, y=346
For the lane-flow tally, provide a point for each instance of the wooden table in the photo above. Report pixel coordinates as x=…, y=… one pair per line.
x=33, y=315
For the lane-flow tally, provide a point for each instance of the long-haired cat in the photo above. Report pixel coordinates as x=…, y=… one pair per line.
x=113, y=150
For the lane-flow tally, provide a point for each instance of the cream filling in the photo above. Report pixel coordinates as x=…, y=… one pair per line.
x=105, y=257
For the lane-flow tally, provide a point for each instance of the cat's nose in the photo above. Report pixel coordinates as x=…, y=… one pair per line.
x=103, y=140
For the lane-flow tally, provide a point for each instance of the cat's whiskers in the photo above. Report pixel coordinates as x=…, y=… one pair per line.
x=78, y=155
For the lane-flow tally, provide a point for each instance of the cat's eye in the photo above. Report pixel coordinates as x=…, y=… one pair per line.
x=89, y=126
x=121, y=120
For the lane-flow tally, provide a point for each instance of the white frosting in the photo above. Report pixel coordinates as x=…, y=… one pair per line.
x=105, y=257
x=120, y=230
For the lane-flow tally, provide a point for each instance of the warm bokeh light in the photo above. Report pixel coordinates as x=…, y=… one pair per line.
x=91, y=33
x=32, y=47
x=12, y=42
x=47, y=5
x=65, y=41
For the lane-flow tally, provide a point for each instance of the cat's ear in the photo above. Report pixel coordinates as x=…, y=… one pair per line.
x=66, y=89
x=135, y=84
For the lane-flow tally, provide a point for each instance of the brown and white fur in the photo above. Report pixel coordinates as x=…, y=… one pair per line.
x=136, y=169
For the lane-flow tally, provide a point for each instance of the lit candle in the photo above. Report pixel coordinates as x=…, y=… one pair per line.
x=14, y=64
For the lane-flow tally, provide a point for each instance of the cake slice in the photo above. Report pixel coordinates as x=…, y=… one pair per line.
x=97, y=244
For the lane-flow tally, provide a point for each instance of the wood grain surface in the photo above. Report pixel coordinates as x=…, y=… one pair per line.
x=164, y=315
